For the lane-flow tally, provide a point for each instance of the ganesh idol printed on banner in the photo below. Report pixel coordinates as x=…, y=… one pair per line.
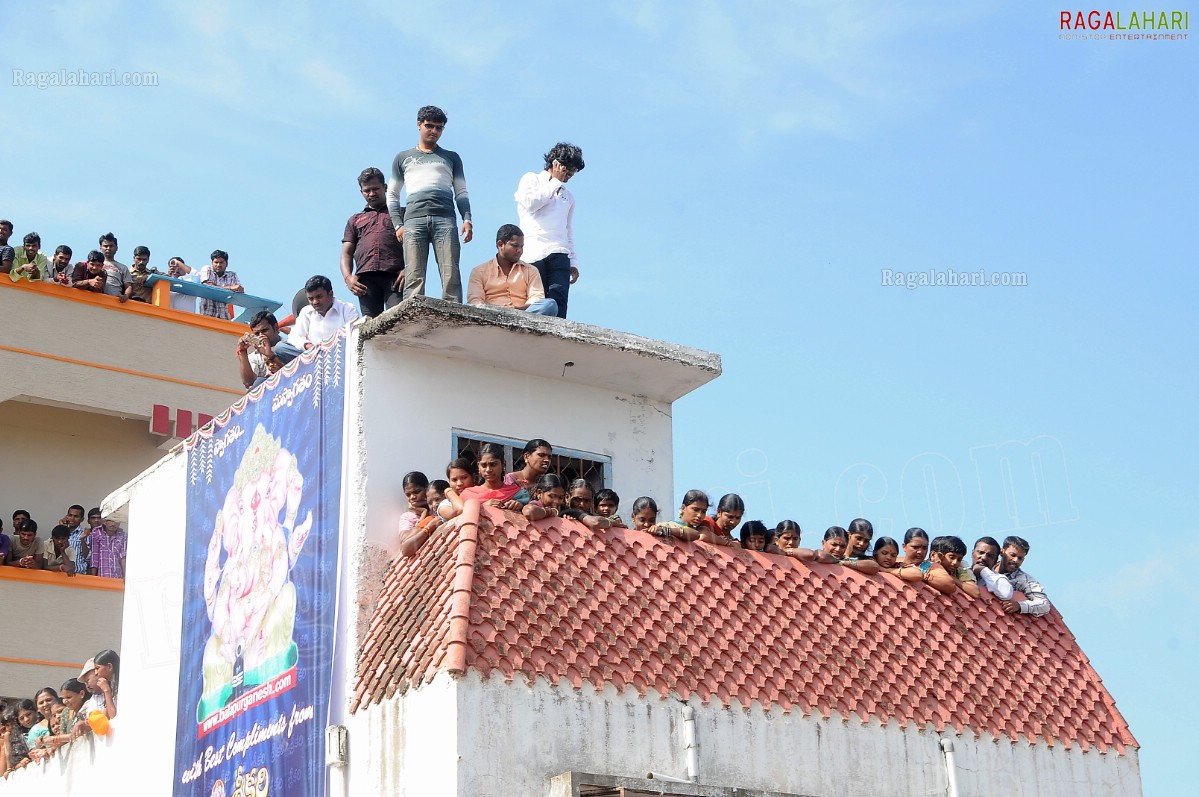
x=260, y=579
x=248, y=594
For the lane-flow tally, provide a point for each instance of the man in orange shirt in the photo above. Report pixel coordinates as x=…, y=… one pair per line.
x=506, y=281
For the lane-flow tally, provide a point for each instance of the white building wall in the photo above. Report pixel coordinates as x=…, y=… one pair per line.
x=407, y=746
x=138, y=754
x=515, y=737
x=406, y=430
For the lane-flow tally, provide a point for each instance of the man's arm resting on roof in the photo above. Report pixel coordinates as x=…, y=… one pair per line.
x=998, y=585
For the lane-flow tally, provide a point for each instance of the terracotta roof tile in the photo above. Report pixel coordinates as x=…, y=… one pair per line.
x=494, y=593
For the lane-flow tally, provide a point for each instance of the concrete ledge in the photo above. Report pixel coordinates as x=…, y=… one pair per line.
x=587, y=784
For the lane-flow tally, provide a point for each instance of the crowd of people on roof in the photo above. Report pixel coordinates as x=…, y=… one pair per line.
x=33, y=729
x=96, y=548
x=535, y=493
x=100, y=272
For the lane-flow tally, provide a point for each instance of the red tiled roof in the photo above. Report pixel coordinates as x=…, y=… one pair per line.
x=557, y=601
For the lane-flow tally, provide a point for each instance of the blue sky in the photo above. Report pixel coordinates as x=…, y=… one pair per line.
x=752, y=170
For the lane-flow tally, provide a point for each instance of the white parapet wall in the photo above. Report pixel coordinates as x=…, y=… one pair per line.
x=513, y=738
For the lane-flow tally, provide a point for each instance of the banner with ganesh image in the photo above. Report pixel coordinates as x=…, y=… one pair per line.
x=260, y=576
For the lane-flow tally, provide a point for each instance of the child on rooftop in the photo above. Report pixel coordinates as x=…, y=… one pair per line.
x=461, y=475
x=645, y=514
x=436, y=492
x=944, y=572
x=754, y=536
x=607, y=504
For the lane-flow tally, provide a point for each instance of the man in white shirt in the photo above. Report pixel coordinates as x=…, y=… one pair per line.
x=182, y=271
x=320, y=320
x=545, y=210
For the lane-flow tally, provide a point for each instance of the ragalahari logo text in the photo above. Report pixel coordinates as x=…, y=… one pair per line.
x=1110, y=25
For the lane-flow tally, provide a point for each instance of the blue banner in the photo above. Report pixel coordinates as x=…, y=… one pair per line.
x=260, y=580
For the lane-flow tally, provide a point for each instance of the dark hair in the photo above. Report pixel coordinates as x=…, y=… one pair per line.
x=73, y=685
x=568, y=155
x=988, y=541
x=181, y=260
x=1018, y=542
x=861, y=526
x=461, y=463
x=16, y=512
x=787, y=525
x=5, y=223
x=883, y=542
x=263, y=315
x=949, y=544
x=109, y=237
x=77, y=506
x=913, y=533
x=836, y=533
x=107, y=656
x=506, y=233
x=495, y=449
x=63, y=249
x=607, y=494
x=219, y=253
x=750, y=528
x=645, y=502
x=535, y=444
x=60, y=531
x=95, y=256
x=39, y=692
x=415, y=478
x=730, y=502
x=140, y=251
x=577, y=483
x=371, y=173
x=25, y=705
x=29, y=525
x=440, y=485
x=318, y=282
x=31, y=238
x=95, y=510
x=431, y=113
x=695, y=497
x=547, y=481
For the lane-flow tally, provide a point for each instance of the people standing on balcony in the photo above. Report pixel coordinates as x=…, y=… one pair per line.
x=435, y=184
x=27, y=550
x=98, y=277
x=370, y=243
x=109, y=547
x=179, y=270
x=257, y=351
x=7, y=254
x=319, y=320
x=138, y=273
x=218, y=275
x=505, y=281
x=59, y=555
x=108, y=246
x=59, y=268
x=79, y=534
x=30, y=263
x=545, y=210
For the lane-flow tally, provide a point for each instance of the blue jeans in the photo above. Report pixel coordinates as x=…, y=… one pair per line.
x=543, y=307
x=555, y=278
x=442, y=233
